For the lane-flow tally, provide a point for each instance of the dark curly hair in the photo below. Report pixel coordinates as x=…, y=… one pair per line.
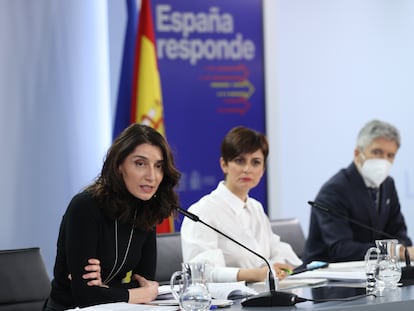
x=110, y=190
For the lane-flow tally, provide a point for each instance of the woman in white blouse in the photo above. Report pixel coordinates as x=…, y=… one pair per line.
x=230, y=209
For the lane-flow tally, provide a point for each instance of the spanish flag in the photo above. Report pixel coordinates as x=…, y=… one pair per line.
x=143, y=80
x=146, y=94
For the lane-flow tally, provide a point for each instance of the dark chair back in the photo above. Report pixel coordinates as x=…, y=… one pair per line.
x=24, y=281
x=169, y=256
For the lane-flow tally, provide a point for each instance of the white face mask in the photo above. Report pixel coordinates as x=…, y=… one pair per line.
x=376, y=170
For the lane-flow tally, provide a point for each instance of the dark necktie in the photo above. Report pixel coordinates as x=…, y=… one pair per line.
x=374, y=195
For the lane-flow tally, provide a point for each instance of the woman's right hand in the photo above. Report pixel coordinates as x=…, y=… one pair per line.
x=281, y=270
x=147, y=291
x=93, y=273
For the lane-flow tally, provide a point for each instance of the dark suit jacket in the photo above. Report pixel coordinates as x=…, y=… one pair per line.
x=335, y=239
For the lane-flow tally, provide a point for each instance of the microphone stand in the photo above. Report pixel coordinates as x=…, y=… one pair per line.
x=407, y=272
x=269, y=298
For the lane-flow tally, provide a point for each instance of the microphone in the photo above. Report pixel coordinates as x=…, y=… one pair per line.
x=407, y=272
x=270, y=298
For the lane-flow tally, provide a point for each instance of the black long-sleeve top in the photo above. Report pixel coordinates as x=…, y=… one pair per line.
x=86, y=232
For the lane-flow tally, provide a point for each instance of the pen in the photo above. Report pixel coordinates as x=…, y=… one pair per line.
x=288, y=271
x=311, y=266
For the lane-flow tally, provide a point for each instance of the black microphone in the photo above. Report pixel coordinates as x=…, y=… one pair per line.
x=407, y=272
x=271, y=298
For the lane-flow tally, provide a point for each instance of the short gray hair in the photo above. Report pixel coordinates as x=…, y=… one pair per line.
x=377, y=129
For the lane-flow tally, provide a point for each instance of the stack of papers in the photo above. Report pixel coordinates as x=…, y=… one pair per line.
x=300, y=282
x=289, y=283
x=220, y=303
x=123, y=306
x=230, y=290
x=222, y=294
x=351, y=276
x=353, y=271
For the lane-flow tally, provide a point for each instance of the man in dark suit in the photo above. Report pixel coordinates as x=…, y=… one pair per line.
x=364, y=192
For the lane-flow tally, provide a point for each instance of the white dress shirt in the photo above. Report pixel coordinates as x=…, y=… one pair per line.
x=246, y=222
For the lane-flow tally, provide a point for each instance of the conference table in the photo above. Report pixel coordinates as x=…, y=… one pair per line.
x=399, y=299
x=339, y=281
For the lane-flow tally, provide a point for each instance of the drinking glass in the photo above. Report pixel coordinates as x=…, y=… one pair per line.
x=388, y=270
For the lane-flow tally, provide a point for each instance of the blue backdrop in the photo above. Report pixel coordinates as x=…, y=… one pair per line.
x=211, y=65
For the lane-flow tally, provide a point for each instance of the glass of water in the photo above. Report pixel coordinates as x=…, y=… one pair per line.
x=192, y=293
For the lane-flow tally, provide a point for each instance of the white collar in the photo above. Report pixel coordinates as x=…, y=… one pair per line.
x=233, y=200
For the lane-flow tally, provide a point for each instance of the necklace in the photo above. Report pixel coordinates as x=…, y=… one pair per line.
x=112, y=273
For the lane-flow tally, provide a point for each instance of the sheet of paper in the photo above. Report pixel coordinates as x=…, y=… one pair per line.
x=353, y=271
x=229, y=290
x=172, y=302
x=296, y=282
x=123, y=306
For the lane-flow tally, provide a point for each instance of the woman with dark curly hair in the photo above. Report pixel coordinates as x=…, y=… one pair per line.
x=109, y=228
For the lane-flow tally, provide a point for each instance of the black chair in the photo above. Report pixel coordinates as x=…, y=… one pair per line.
x=290, y=231
x=169, y=256
x=24, y=281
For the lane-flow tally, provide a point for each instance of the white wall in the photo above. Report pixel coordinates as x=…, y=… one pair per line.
x=55, y=121
x=333, y=66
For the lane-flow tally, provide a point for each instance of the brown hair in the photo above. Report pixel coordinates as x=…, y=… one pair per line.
x=240, y=140
x=110, y=189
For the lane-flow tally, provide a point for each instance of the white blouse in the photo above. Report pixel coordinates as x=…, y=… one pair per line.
x=246, y=222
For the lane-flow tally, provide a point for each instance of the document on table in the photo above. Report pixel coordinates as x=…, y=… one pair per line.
x=353, y=271
x=228, y=290
x=289, y=284
x=222, y=294
x=220, y=303
x=123, y=306
x=300, y=282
